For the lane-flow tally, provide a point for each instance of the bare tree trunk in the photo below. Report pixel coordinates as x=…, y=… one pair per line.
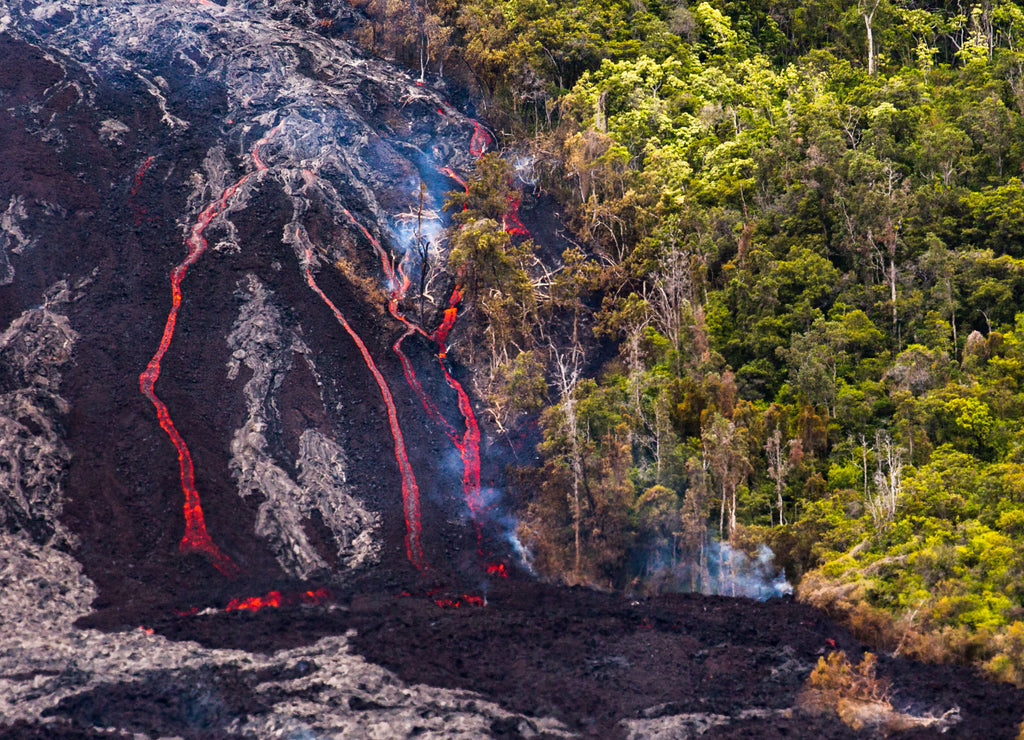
x=892, y=294
x=871, y=44
x=732, y=512
x=778, y=467
x=888, y=482
x=869, y=16
x=721, y=518
x=422, y=247
x=864, y=459
x=569, y=365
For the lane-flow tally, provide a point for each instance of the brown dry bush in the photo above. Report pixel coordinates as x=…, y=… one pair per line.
x=860, y=697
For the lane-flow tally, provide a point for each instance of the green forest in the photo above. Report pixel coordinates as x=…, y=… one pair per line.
x=793, y=313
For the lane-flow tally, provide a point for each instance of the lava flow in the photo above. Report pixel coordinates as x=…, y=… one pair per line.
x=196, y=538
x=275, y=599
x=137, y=181
x=480, y=141
x=410, y=490
x=468, y=444
x=510, y=220
x=454, y=602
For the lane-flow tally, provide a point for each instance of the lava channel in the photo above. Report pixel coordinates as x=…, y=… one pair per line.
x=196, y=538
x=410, y=489
x=468, y=445
x=276, y=599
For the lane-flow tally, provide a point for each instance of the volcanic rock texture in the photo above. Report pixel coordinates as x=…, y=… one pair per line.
x=202, y=414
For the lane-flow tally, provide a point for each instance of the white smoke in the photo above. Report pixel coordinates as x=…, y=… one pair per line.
x=731, y=572
x=721, y=570
x=524, y=165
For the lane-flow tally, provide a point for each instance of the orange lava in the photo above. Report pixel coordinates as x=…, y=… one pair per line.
x=468, y=444
x=410, y=489
x=275, y=599
x=480, y=141
x=454, y=602
x=140, y=173
x=196, y=538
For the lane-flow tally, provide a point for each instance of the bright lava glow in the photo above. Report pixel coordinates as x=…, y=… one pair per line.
x=196, y=538
x=468, y=444
x=275, y=599
x=454, y=602
x=410, y=490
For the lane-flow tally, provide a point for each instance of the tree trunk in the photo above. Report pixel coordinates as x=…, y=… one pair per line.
x=871, y=43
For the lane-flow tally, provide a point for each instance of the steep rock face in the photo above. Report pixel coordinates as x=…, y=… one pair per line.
x=239, y=150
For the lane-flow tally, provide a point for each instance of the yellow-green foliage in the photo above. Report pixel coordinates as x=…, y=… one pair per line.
x=814, y=271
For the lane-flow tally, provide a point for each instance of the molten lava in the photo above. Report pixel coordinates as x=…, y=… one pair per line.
x=275, y=599
x=455, y=176
x=451, y=313
x=454, y=602
x=468, y=445
x=140, y=173
x=480, y=141
x=410, y=489
x=510, y=220
x=196, y=538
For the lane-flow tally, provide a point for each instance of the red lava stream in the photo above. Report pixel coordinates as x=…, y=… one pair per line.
x=196, y=538
x=469, y=443
x=410, y=490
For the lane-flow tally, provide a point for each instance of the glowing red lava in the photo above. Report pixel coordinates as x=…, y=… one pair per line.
x=480, y=141
x=137, y=181
x=455, y=176
x=497, y=569
x=451, y=313
x=469, y=446
x=454, y=602
x=510, y=220
x=275, y=599
x=469, y=443
x=196, y=538
x=410, y=490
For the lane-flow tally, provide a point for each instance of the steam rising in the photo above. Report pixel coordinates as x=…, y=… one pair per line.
x=734, y=573
x=723, y=570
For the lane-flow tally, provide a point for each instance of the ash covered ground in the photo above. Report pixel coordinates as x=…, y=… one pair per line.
x=266, y=163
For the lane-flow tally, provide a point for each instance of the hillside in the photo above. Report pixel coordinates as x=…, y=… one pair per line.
x=506, y=377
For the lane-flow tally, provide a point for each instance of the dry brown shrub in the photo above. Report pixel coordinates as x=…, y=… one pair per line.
x=835, y=678
x=366, y=286
x=860, y=697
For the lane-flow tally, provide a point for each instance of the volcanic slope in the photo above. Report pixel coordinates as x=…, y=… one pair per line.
x=226, y=511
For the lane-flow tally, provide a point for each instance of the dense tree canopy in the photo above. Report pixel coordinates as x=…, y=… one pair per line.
x=803, y=223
